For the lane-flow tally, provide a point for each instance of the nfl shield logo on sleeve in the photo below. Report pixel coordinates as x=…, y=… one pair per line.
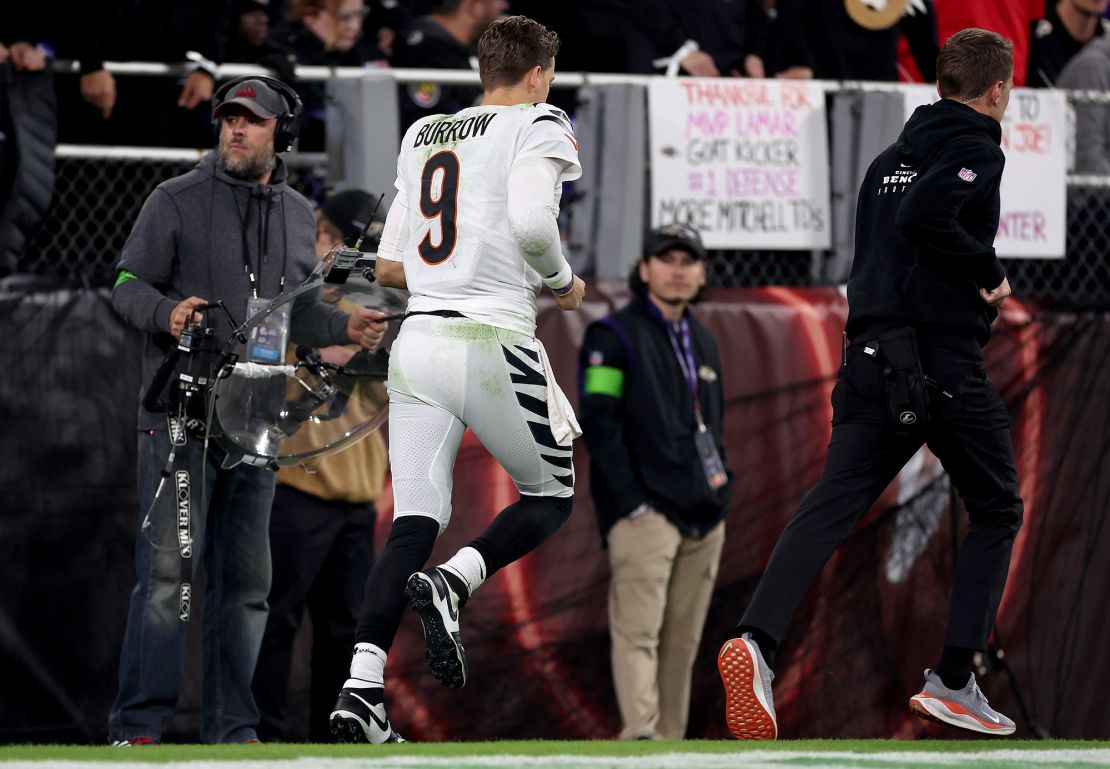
x=967, y=174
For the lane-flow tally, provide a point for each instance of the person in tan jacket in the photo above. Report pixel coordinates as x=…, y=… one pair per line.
x=321, y=534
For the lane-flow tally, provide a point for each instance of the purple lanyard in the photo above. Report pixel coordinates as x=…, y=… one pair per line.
x=685, y=356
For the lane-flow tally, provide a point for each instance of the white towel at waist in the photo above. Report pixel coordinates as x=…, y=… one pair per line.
x=564, y=425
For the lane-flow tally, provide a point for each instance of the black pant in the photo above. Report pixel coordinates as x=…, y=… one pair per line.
x=516, y=531
x=969, y=432
x=322, y=552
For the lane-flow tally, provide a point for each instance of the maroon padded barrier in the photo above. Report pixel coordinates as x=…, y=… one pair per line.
x=536, y=634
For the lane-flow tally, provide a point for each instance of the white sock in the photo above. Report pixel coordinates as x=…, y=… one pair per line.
x=469, y=566
x=367, y=667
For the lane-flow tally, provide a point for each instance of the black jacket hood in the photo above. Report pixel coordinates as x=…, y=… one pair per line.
x=926, y=220
x=934, y=125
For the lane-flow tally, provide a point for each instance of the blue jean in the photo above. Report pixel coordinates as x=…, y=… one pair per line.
x=230, y=527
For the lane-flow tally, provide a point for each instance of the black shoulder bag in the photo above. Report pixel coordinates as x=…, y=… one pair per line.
x=907, y=393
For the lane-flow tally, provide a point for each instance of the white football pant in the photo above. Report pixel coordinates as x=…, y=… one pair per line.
x=447, y=374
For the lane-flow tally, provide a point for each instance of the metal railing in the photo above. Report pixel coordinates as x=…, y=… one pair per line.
x=100, y=190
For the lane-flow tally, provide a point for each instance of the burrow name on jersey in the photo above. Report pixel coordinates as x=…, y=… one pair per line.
x=443, y=132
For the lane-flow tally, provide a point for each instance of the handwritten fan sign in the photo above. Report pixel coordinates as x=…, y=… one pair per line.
x=1034, y=195
x=746, y=162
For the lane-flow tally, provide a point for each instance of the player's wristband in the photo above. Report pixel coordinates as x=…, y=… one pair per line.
x=565, y=289
x=562, y=280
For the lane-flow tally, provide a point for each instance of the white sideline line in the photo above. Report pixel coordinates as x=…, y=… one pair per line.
x=755, y=759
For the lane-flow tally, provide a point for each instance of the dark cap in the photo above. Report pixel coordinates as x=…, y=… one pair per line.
x=349, y=211
x=246, y=6
x=674, y=235
x=261, y=99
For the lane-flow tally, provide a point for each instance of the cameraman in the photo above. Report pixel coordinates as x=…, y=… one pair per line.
x=231, y=230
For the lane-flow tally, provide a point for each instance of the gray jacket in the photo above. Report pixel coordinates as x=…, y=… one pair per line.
x=194, y=237
x=1090, y=69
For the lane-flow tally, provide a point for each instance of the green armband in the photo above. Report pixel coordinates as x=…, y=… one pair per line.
x=125, y=276
x=604, y=380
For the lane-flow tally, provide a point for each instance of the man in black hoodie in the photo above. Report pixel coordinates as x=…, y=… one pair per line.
x=924, y=289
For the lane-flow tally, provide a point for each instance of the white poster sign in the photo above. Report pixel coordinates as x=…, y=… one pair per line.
x=746, y=162
x=1034, y=185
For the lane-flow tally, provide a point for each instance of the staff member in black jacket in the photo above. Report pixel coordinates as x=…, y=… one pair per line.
x=924, y=289
x=652, y=418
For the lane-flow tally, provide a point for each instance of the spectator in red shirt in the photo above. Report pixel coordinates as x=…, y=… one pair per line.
x=1013, y=19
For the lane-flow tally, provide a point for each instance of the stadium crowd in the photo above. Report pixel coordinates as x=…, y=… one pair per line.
x=825, y=39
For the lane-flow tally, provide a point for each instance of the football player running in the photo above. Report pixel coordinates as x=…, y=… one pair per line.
x=472, y=235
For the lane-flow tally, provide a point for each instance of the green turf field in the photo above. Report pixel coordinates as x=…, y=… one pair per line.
x=806, y=754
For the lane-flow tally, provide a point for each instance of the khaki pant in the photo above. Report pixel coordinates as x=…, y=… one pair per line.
x=658, y=598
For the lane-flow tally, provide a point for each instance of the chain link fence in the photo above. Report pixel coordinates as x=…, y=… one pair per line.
x=728, y=268
x=1080, y=280
x=96, y=201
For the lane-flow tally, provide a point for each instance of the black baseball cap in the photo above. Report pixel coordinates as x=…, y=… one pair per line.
x=246, y=6
x=674, y=235
x=257, y=96
x=349, y=210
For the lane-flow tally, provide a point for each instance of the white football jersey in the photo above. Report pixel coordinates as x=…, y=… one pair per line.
x=453, y=171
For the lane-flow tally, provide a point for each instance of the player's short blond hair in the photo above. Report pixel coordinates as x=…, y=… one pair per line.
x=510, y=47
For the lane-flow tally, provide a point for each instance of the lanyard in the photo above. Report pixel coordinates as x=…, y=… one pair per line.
x=679, y=334
x=263, y=235
x=243, y=220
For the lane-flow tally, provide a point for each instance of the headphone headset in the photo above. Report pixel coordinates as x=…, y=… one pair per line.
x=288, y=126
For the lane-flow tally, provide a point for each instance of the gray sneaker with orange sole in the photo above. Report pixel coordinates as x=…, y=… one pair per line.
x=749, y=706
x=966, y=708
